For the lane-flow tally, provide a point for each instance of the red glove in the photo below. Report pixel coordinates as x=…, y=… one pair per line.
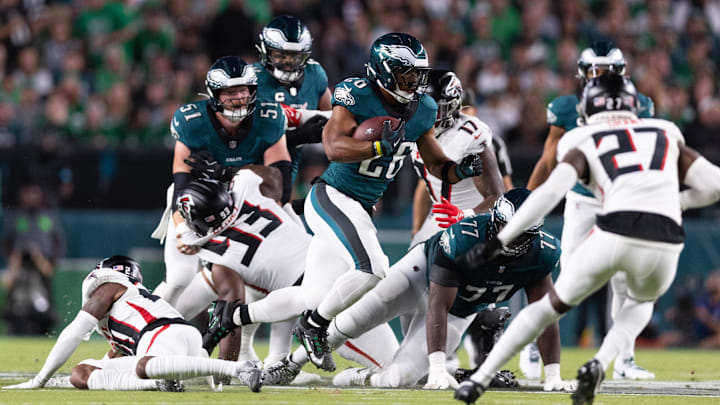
x=452, y=214
x=292, y=115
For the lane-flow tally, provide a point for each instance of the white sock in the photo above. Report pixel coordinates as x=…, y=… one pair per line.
x=116, y=380
x=629, y=322
x=299, y=356
x=279, y=305
x=526, y=326
x=348, y=288
x=195, y=297
x=247, y=350
x=181, y=367
x=280, y=340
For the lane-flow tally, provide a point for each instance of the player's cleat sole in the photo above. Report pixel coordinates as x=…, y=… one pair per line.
x=589, y=378
x=469, y=392
x=170, y=385
x=249, y=374
x=627, y=369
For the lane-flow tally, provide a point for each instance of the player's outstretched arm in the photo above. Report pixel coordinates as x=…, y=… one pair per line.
x=96, y=308
x=698, y=173
x=549, y=341
x=421, y=206
x=337, y=138
x=546, y=197
x=547, y=161
x=490, y=182
x=439, y=302
x=441, y=166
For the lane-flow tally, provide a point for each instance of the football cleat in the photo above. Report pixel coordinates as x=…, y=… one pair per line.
x=355, y=376
x=502, y=379
x=314, y=340
x=627, y=369
x=170, y=385
x=281, y=373
x=305, y=378
x=530, y=362
x=589, y=378
x=249, y=374
x=469, y=391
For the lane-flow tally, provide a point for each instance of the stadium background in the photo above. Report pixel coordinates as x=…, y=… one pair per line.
x=87, y=89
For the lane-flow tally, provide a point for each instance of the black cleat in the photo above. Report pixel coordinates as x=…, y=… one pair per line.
x=314, y=340
x=170, y=385
x=589, y=377
x=504, y=379
x=469, y=391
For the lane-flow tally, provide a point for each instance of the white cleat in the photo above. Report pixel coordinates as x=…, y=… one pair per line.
x=627, y=369
x=305, y=378
x=530, y=362
x=353, y=377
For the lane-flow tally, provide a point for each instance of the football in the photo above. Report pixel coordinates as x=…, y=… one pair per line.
x=371, y=128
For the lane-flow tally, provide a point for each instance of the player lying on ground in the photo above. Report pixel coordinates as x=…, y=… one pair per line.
x=526, y=265
x=636, y=165
x=249, y=240
x=157, y=343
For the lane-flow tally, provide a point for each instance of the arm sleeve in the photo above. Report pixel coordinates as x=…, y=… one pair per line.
x=180, y=180
x=66, y=344
x=541, y=201
x=704, y=178
x=285, y=168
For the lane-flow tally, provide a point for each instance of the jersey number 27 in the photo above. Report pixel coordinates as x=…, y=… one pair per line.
x=626, y=144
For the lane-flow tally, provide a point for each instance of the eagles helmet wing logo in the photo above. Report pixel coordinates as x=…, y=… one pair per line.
x=404, y=54
x=342, y=95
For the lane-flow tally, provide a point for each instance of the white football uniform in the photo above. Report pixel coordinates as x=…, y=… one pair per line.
x=634, y=174
x=138, y=319
x=467, y=136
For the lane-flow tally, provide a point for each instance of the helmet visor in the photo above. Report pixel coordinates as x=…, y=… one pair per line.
x=411, y=79
x=287, y=61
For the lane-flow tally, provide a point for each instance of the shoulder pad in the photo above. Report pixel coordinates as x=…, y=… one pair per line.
x=96, y=278
x=647, y=107
x=243, y=180
x=561, y=109
x=479, y=134
x=347, y=91
x=270, y=120
x=312, y=62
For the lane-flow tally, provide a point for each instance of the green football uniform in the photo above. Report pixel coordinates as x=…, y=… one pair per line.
x=197, y=128
x=366, y=181
x=493, y=282
x=313, y=85
x=562, y=112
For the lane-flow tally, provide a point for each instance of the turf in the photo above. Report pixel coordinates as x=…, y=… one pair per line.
x=27, y=355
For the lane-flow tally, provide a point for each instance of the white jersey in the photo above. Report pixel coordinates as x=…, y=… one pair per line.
x=467, y=136
x=633, y=164
x=264, y=245
x=130, y=314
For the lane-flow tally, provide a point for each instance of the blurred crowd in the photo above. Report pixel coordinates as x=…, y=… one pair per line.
x=108, y=74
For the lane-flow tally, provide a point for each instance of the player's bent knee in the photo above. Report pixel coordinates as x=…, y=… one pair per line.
x=80, y=375
x=140, y=367
x=558, y=305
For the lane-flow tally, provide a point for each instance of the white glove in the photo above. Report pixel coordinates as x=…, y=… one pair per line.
x=27, y=385
x=553, y=382
x=438, y=376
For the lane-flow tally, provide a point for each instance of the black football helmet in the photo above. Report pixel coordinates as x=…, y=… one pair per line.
x=206, y=206
x=445, y=87
x=123, y=264
x=606, y=93
x=285, y=46
x=505, y=207
x=226, y=72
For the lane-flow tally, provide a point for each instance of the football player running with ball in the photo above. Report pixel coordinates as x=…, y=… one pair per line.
x=636, y=165
x=345, y=259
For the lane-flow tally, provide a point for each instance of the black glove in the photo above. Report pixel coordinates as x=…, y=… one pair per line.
x=482, y=253
x=470, y=166
x=391, y=138
x=309, y=132
x=221, y=323
x=204, y=166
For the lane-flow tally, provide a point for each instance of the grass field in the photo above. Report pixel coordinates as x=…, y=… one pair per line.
x=19, y=358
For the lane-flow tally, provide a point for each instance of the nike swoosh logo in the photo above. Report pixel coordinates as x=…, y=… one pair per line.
x=175, y=121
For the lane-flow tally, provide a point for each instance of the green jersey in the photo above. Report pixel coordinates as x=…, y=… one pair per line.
x=492, y=282
x=366, y=181
x=196, y=126
x=562, y=112
x=307, y=97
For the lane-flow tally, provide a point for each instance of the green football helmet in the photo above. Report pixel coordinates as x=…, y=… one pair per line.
x=505, y=207
x=285, y=46
x=399, y=64
x=601, y=58
x=226, y=72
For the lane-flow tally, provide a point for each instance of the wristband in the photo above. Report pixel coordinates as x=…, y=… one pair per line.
x=377, y=148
